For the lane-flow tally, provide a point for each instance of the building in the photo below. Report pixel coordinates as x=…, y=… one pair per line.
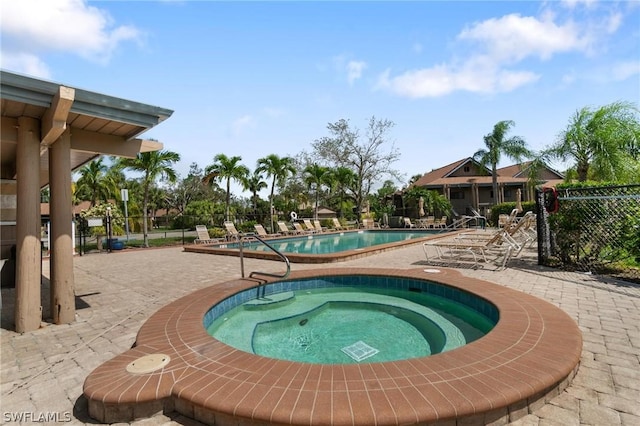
x=467, y=184
x=48, y=131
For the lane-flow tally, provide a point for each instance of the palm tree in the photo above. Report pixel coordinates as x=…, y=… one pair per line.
x=92, y=182
x=226, y=168
x=254, y=184
x=601, y=140
x=153, y=165
x=515, y=148
x=278, y=168
x=343, y=179
x=315, y=175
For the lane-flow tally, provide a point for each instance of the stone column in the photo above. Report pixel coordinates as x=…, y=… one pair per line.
x=63, y=308
x=28, y=309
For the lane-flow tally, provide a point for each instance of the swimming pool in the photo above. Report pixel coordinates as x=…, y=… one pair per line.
x=383, y=321
x=324, y=247
x=531, y=355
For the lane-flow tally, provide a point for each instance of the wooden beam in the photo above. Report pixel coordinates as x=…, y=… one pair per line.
x=54, y=121
x=83, y=140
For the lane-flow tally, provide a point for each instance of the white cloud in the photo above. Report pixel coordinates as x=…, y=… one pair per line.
x=624, y=70
x=354, y=70
x=240, y=124
x=25, y=63
x=495, y=48
x=35, y=27
x=476, y=76
x=512, y=38
x=572, y=4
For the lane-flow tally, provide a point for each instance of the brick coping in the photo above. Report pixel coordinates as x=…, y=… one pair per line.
x=529, y=357
x=220, y=249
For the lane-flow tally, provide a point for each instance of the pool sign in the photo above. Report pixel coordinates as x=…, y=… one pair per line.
x=94, y=221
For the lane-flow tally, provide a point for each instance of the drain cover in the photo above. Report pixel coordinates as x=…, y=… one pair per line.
x=148, y=363
x=359, y=351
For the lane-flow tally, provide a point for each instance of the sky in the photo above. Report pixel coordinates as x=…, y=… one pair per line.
x=251, y=79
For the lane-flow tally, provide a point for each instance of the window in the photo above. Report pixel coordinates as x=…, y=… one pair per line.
x=456, y=195
x=467, y=169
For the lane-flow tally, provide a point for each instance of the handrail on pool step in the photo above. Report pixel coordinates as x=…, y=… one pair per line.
x=284, y=258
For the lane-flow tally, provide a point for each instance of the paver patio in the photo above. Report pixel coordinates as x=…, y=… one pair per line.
x=42, y=373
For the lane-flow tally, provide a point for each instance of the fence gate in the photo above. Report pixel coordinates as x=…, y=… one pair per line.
x=589, y=228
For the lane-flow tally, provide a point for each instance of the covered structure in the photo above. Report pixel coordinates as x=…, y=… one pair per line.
x=48, y=130
x=467, y=184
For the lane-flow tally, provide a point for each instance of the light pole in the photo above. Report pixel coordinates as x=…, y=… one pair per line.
x=109, y=230
x=124, y=194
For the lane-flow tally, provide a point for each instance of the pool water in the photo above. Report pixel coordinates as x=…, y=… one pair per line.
x=344, y=325
x=335, y=242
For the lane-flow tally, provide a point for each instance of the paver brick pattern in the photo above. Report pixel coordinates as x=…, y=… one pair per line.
x=42, y=372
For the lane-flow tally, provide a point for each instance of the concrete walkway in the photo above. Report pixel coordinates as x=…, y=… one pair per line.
x=42, y=372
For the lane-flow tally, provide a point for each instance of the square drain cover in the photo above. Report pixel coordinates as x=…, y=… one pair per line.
x=359, y=351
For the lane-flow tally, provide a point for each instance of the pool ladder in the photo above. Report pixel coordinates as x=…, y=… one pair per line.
x=284, y=258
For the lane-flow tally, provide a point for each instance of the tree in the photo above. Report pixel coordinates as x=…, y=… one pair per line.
x=343, y=181
x=92, y=185
x=189, y=189
x=153, y=165
x=278, y=168
x=603, y=141
x=413, y=179
x=367, y=159
x=254, y=184
x=316, y=176
x=226, y=168
x=496, y=145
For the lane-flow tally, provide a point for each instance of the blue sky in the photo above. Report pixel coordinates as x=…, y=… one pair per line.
x=256, y=78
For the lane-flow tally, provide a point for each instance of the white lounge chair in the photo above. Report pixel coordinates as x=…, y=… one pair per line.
x=338, y=226
x=262, y=233
x=318, y=226
x=309, y=226
x=300, y=230
x=203, y=236
x=284, y=229
x=232, y=232
x=456, y=246
x=408, y=223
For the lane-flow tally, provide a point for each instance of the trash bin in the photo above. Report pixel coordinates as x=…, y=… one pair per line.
x=115, y=244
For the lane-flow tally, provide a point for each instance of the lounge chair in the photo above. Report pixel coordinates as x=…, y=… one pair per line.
x=429, y=222
x=309, y=226
x=448, y=247
x=516, y=232
x=232, y=232
x=284, y=229
x=203, y=236
x=369, y=224
x=408, y=223
x=441, y=223
x=338, y=226
x=262, y=233
x=300, y=230
x=318, y=226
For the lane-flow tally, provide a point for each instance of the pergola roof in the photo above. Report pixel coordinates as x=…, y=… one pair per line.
x=100, y=124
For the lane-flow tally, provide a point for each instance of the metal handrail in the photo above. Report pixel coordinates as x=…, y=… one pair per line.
x=284, y=258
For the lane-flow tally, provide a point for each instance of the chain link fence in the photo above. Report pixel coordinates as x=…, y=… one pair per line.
x=590, y=228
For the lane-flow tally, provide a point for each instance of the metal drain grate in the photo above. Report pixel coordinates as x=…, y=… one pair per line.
x=359, y=351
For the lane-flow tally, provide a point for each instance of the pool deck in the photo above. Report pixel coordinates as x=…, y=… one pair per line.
x=43, y=372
